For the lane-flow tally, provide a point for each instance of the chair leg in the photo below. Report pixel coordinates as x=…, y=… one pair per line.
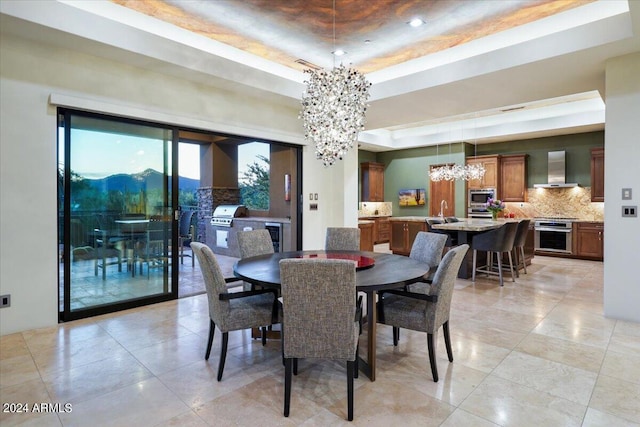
x=396, y=336
x=264, y=335
x=212, y=330
x=356, y=365
x=473, y=274
x=516, y=259
x=513, y=276
x=223, y=354
x=447, y=340
x=350, y=390
x=432, y=357
x=524, y=263
x=500, y=269
x=287, y=385
x=295, y=366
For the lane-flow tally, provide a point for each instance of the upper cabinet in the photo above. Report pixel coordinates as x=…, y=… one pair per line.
x=492, y=174
x=372, y=182
x=597, y=175
x=513, y=178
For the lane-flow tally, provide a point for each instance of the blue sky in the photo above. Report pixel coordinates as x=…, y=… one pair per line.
x=98, y=154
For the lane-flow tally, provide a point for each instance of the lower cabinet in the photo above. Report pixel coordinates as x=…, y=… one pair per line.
x=383, y=231
x=381, y=228
x=366, y=235
x=403, y=233
x=589, y=238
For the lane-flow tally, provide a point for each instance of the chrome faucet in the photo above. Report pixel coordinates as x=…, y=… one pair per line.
x=443, y=203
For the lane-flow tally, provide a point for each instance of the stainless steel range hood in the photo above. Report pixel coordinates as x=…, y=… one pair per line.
x=556, y=174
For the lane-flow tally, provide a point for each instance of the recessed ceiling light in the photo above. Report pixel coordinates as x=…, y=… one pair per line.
x=416, y=22
x=339, y=52
x=367, y=41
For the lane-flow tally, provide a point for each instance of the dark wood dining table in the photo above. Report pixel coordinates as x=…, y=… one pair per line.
x=388, y=272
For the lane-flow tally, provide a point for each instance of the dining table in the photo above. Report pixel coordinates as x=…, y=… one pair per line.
x=132, y=229
x=375, y=271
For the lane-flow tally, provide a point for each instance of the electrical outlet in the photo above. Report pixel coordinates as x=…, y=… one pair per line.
x=5, y=301
x=629, y=211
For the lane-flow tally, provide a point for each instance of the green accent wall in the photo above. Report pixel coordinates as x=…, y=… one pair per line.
x=409, y=168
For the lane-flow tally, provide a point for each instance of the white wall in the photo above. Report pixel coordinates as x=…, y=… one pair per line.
x=29, y=74
x=622, y=156
x=337, y=189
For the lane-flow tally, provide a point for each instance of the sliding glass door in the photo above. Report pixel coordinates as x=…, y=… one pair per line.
x=117, y=219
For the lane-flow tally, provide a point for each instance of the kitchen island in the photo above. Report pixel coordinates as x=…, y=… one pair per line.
x=467, y=228
x=405, y=229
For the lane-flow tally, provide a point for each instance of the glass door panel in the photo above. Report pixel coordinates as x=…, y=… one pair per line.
x=117, y=214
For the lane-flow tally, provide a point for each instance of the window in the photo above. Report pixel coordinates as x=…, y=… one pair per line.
x=253, y=175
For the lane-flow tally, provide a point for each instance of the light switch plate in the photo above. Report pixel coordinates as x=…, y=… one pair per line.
x=629, y=211
x=626, y=194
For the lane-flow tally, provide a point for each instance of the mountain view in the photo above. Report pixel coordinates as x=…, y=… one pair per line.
x=147, y=180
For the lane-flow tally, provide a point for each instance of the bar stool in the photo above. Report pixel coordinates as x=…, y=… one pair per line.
x=495, y=241
x=452, y=239
x=518, y=245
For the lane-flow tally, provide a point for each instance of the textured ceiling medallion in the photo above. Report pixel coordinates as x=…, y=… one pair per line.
x=333, y=110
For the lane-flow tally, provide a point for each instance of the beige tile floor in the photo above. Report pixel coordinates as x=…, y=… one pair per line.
x=537, y=352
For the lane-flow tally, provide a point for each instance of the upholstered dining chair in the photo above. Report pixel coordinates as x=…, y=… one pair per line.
x=342, y=239
x=232, y=311
x=320, y=317
x=425, y=311
x=518, y=245
x=253, y=243
x=428, y=248
x=496, y=241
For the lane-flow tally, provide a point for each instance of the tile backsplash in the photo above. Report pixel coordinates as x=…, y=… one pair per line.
x=375, y=209
x=572, y=202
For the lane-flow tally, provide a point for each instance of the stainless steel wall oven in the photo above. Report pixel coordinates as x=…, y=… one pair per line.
x=553, y=235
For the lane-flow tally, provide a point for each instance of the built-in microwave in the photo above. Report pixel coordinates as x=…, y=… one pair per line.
x=478, y=197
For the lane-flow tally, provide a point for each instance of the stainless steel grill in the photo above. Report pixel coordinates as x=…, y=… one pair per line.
x=223, y=215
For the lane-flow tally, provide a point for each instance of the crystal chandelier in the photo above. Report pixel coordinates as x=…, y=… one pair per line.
x=333, y=108
x=453, y=172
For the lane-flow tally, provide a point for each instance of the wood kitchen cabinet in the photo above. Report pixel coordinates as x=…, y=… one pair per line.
x=513, y=178
x=403, y=233
x=366, y=235
x=381, y=228
x=491, y=178
x=597, y=174
x=372, y=182
x=588, y=240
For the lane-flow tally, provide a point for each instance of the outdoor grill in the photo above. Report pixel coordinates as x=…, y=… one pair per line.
x=223, y=215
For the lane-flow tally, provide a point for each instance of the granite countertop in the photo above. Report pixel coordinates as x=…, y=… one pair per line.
x=473, y=224
x=365, y=221
x=262, y=218
x=374, y=216
x=412, y=218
